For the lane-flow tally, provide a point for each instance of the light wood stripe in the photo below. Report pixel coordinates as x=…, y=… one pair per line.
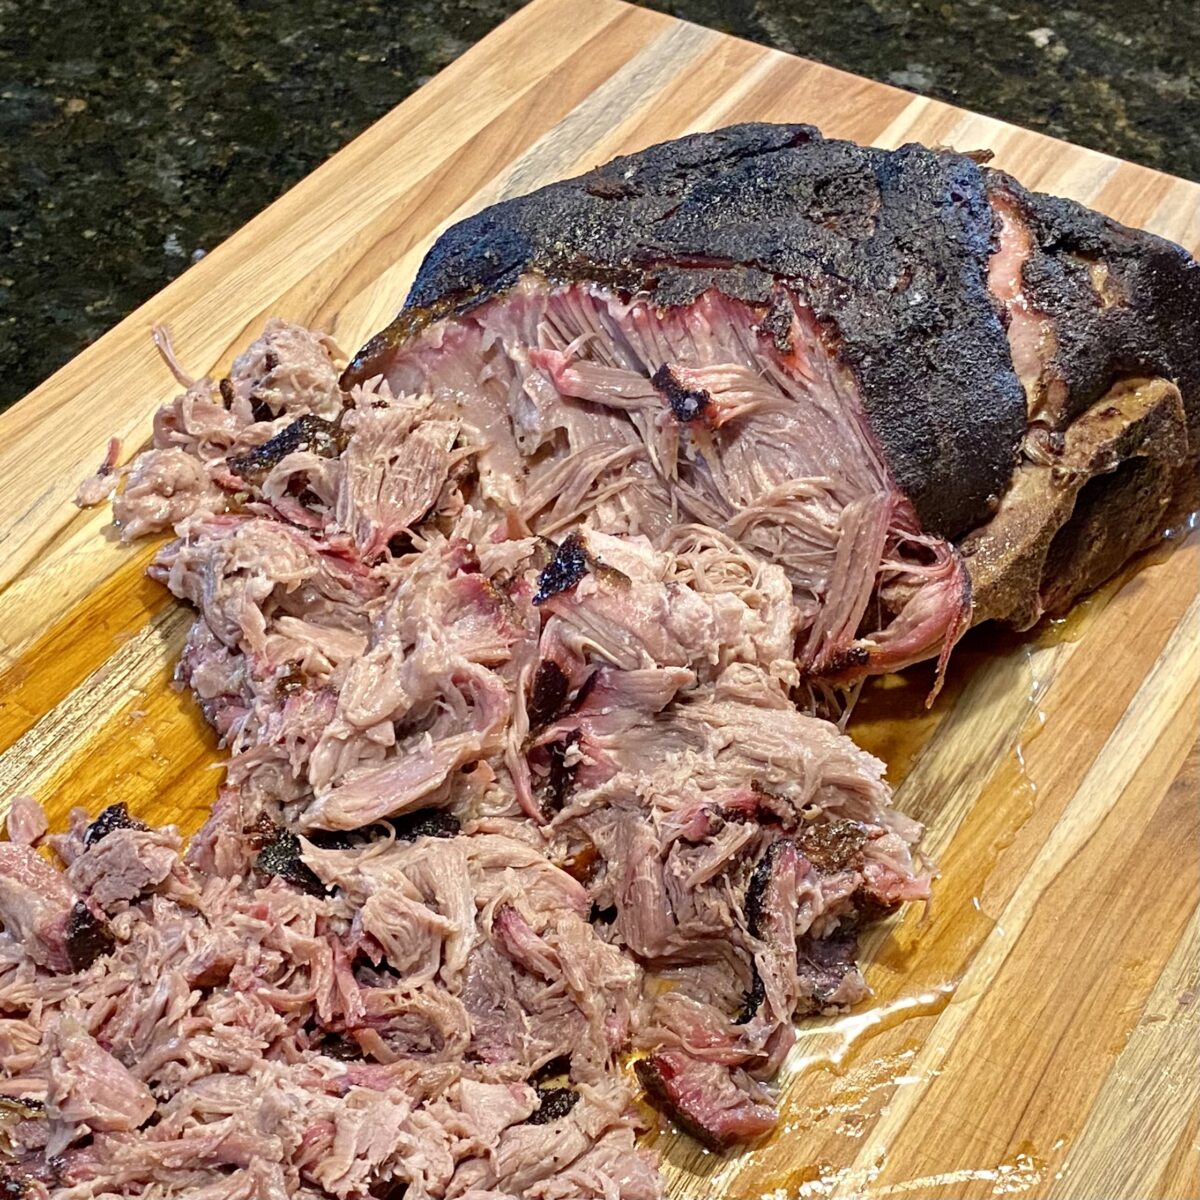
x=982, y=733
x=41, y=754
x=1177, y=215
x=1163, y=1046
x=1153, y=709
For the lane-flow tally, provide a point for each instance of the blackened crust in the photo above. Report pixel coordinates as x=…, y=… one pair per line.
x=322, y=437
x=554, y=1103
x=890, y=250
x=1146, y=320
x=562, y=775
x=425, y=822
x=114, y=817
x=756, y=993
x=280, y=856
x=548, y=693
x=686, y=403
x=87, y=937
x=756, y=889
x=568, y=566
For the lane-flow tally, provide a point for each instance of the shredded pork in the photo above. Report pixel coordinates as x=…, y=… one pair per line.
x=506, y=651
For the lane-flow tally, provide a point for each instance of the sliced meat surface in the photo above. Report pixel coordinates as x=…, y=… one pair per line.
x=778, y=459
x=961, y=322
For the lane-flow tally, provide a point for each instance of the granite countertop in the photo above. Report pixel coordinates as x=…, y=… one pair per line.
x=133, y=137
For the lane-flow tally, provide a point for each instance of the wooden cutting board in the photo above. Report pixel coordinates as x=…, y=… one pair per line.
x=1036, y=1031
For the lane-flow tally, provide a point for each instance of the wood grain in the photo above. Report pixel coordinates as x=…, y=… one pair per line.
x=1031, y=1033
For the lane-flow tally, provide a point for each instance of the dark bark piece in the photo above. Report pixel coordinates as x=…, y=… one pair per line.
x=114, y=817
x=756, y=889
x=554, y=1069
x=336, y=1046
x=87, y=937
x=322, y=437
x=568, y=566
x=280, y=856
x=561, y=778
x=752, y=1001
x=425, y=822
x=554, y=1103
x=548, y=694
x=832, y=846
x=688, y=404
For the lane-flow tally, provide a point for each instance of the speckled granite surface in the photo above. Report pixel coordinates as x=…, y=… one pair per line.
x=134, y=136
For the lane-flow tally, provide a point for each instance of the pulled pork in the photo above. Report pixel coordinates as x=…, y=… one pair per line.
x=518, y=786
